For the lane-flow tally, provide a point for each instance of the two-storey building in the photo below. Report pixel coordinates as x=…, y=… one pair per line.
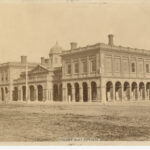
x=105, y=72
x=95, y=73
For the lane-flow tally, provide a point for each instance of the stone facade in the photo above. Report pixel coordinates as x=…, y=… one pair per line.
x=107, y=73
x=95, y=73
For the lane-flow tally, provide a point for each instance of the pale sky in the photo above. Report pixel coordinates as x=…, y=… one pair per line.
x=32, y=28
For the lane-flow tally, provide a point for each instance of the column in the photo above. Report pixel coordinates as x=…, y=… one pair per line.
x=46, y=94
x=122, y=93
x=19, y=94
x=10, y=93
x=145, y=91
x=88, y=65
x=0, y=95
x=4, y=95
x=64, y=93
x=98, y=94
x=51, y=95
x=89, y=94
x=80, y=93
x=130, y=90
x=147, y=94
x=138, y=92
x=46, y=90
x=63, y=68
x=114, y=93
x=50, y=91
x=73, y=94
x=80, y=66
x=103, y=91
x=98, y=62
x=36, y=94
x=29, y=94
x=103, y=94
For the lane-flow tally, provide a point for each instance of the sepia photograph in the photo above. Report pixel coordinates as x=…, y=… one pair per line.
x=74, y=72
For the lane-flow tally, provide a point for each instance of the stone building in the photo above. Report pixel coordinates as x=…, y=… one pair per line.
x=105, y=73
x=95, y=73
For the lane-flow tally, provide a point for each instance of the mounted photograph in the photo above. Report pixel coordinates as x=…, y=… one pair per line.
x=74, y=72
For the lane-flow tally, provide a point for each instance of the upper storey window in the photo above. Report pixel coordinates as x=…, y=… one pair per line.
x=93, y=65
x=2, y=76
x=147, y=68
x=56, y=60
x=133, y=67
x=69, y=69
x=117, y=65
x=84, y=66
x=76, y=68
x=108, y=64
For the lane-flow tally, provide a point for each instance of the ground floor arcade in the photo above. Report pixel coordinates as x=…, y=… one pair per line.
x=106, y=90
x=81, y=91
x=32, y=92
x=126, y=90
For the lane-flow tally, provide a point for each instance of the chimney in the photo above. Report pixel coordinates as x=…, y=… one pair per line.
x=42, y=61
x=23, y=59
x=73, y=45
x=110, y=39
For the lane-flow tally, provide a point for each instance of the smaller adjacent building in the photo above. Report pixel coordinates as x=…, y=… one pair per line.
x=8, y=73
x=41, y=83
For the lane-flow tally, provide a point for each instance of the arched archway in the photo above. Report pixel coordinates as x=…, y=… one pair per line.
x=85, y=92
x=134, y=91
x=55, y=92
x=126, y=90
x=118, y=91
x=2, y=94
x=32, y=93
x=24, y=93
x=148, y=90
x=142, y=90
x=40, y=92
x=93, y=91
x=77, y=92
x=15, y=94
x=109, y=91
x=69, y=92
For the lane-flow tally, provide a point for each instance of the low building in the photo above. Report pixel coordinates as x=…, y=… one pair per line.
x=8, y=73
x=43, y=82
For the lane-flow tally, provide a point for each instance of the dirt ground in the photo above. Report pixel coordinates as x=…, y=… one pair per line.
x=22, y=122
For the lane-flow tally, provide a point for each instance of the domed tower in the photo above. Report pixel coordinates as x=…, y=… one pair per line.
x=54, y=56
